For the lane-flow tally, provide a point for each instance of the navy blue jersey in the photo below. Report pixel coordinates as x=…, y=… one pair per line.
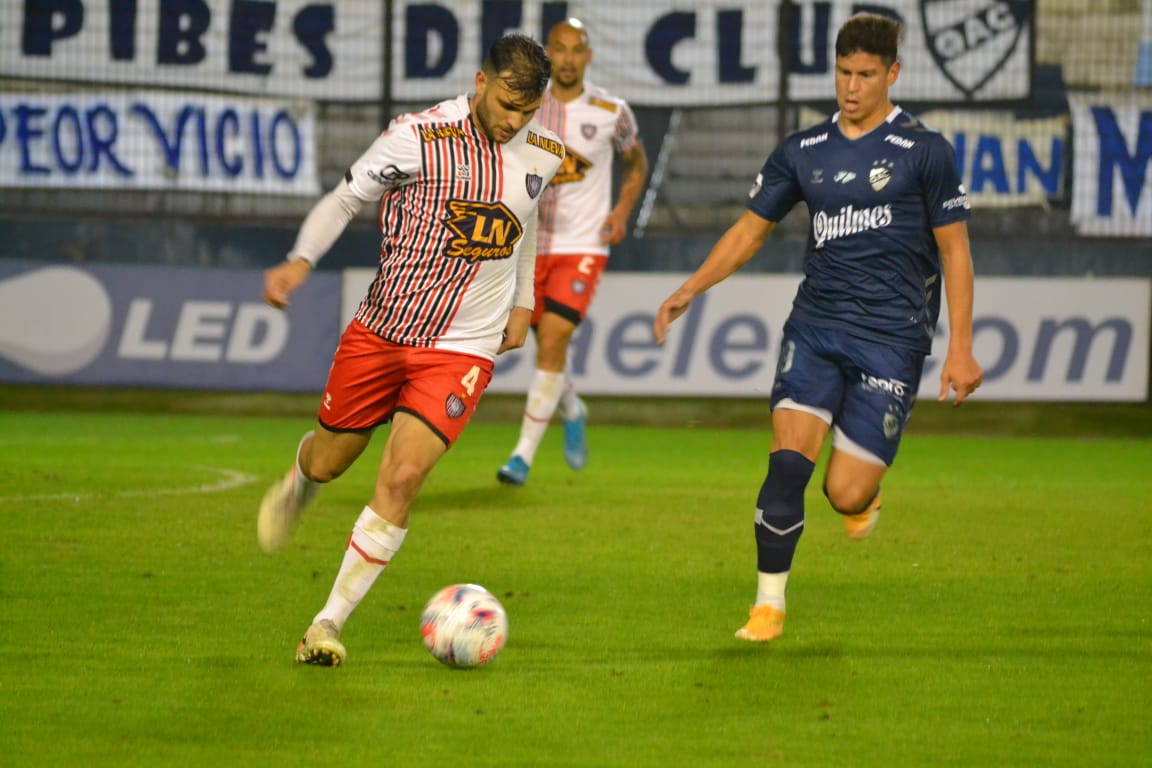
x=872, y=265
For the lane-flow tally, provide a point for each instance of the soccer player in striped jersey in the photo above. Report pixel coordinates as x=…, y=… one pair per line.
x=889, y=223
x=578, y=223
x=458, y=187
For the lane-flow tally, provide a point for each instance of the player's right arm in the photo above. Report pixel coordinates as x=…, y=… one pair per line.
x=322, y=226
x=960, y=373
x=733, y=250
x=391, y=161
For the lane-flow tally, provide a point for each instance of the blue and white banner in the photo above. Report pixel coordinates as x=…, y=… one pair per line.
x=157, y=140
x=656, y=52
x=163, y=327
x=1003, y=160
x=296, y=48
x=712, y=52
x=1112, y=195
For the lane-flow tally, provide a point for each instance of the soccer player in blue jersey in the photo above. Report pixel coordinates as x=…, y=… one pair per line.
x=889, y=221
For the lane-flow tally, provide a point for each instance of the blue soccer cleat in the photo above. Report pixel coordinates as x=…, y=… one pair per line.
x=514, y=472
x=575, y=443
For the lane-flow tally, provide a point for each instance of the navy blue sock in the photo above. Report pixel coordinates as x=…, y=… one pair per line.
x=780, y=510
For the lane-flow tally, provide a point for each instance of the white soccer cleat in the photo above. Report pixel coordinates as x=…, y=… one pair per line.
x=321, y=646
x=280, y=512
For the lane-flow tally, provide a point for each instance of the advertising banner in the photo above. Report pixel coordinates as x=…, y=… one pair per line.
x=1039, y=339
x=157, y=140
x=654, y=53
x=1112, y=168
x=168, y=327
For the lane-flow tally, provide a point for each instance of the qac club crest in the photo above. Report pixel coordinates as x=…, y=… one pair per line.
x=971, y=40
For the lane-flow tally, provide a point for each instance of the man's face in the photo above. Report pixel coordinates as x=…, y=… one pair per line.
x=862, y=82
x=499, y=112
x=570, y=54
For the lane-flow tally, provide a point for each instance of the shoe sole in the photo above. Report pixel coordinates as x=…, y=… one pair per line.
x=510, y=479
x=322, y=655
x=751, y=638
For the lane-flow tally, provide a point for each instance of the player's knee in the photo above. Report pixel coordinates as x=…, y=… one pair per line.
x=321, y=472
x=849, y=497
x=402, y=482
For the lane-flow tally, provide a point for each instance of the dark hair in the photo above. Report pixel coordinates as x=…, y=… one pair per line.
x=521, y=63
x=870, y=33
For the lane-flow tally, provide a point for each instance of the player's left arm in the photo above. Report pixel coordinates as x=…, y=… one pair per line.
x=961, y=373
x=634, y=174
x=524, y=297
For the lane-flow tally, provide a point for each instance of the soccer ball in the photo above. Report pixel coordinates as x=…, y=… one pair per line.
x=464, y=626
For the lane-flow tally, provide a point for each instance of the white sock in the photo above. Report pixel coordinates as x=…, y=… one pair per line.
x=304, y=486
x=373, y=543
x=770, y=589
x=541, y=405
x=569, y=402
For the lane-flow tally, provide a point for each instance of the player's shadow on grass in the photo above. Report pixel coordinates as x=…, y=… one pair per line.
x=483, y=498
x=798, y=649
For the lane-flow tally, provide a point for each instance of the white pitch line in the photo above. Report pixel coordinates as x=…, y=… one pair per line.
x=229, y=479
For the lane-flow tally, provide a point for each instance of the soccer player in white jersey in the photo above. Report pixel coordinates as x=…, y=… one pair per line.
x=458, y=187
x=889, y=221
x=578, y=223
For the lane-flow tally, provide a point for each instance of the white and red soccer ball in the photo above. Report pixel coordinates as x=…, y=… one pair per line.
x=464, y=625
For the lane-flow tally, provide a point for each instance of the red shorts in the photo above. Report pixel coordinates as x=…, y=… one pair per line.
x=371, y=379
x=565, y=284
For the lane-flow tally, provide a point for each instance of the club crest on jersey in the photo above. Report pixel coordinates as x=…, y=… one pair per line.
x=880, y=175
x=891, y=425
x=533, y=182
x=574, y=167
x=483, y=231
x=454, y=406
x=587, y=130
x=971, y=39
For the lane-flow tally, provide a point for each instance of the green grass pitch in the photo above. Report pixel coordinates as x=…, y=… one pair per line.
x=999, y=615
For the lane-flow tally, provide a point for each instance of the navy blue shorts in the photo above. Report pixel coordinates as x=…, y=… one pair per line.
x=864, y=390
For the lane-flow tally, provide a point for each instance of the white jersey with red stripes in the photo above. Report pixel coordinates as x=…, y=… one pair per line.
x=595, y=126
x=454, y=209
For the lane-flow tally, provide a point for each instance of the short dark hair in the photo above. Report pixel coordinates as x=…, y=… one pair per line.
x=870, y=33
x=521, y=63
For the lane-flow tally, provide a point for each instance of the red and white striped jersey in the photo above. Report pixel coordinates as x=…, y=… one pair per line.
x=455, y=207
x=595, y=127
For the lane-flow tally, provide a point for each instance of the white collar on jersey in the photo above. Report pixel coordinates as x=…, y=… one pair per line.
x=891, y=115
